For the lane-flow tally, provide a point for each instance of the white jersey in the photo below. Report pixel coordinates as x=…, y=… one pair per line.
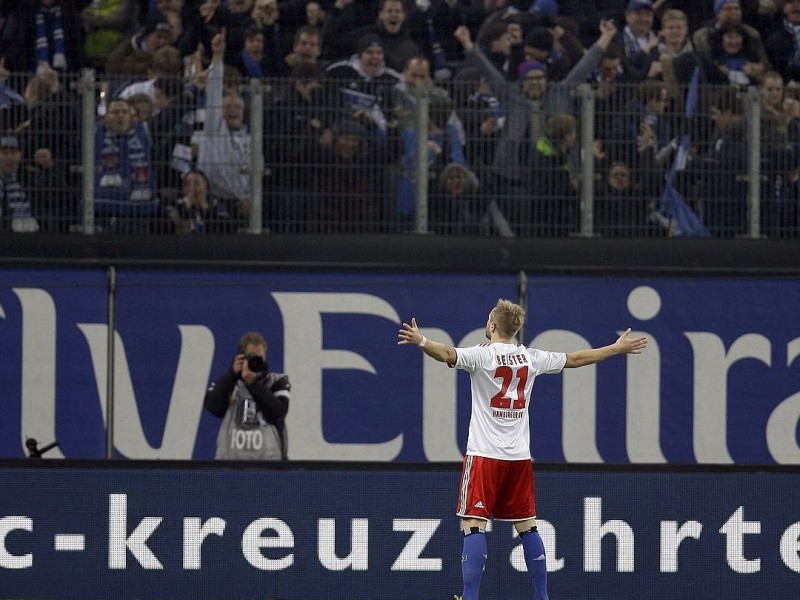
x=502, y=382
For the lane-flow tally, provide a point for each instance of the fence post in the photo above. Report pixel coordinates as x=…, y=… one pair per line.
x=87, y=148
x=110, y=360
x=586, y=95
x=753, y=111
x=256, y=165
x=421, y=115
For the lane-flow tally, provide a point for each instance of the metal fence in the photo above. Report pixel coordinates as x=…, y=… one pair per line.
x=316, y=156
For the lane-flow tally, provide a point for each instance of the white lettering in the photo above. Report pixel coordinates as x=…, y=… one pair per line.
x=183, y=418
x=440, y=400
x=790, y=547
x=409, y=557
x=357, y=560
x=305, y=359
x=782, y=423
x=734, y=529
x=671, y=538
x=711, y=366
x=643, y=394
x=579, y=437
x=8, y=560
x=253, y=541
x=593, y=532
x=195, y=532
x=276, y=534
x=250, y=439
x=119, y=542
x=38, y=407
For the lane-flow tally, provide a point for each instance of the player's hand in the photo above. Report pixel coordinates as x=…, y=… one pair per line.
x=409, y=334
x=629, y=345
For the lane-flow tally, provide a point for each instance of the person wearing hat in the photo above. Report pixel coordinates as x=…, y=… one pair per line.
x=728, y=13
x=540, y=46
x=391, y=28
x=133, y=56
x=362, y=85
x=639, y=41
x=528, y=104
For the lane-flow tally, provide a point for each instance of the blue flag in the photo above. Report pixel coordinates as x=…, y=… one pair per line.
x=674, y=211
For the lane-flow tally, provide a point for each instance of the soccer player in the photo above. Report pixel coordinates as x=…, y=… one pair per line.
x=497, y=476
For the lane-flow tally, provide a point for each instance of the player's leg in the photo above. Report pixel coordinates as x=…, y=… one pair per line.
x=516, y=502
x=473, y=557
x=533, y=550
x=475, y=501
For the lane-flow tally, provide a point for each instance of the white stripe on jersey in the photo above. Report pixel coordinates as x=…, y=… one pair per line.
x=502, y=378
x=462, y=494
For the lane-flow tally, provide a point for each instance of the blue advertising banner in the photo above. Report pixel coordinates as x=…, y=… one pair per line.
x=167, y=533
x=49, y=384
x=718, y=383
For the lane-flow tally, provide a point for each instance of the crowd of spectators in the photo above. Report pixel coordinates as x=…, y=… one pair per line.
x=341, y=81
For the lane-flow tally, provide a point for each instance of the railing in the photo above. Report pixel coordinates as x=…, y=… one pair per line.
x=312, y=162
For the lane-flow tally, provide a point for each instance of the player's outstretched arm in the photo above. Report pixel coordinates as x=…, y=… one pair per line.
x=625, y=344
x=410, y=334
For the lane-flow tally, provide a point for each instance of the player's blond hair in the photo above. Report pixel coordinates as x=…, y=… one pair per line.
x=508, y=317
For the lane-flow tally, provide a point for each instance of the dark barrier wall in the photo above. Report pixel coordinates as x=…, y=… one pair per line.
x=411, y=252
x=163, y=533
x=718, y=383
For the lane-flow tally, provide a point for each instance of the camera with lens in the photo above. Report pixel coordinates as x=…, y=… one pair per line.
x=255, y=363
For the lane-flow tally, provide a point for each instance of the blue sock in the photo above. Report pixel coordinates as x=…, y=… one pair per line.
x=473, y=559
x=533, y=549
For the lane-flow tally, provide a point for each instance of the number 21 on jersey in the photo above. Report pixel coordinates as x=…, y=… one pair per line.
x=509, y=376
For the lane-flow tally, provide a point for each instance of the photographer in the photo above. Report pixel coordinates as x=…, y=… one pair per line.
x=252, y=403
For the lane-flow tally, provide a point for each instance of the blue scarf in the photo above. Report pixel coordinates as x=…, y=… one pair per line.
x=9, y=96
x=633, y=46
x=56, y=33
x=252, y=66
x=735, y=62
x=439, y=60
x=124, y=181
x=491, y=102
x=15, y=207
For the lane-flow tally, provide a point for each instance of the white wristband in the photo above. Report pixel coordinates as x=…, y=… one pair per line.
x=422, y=342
